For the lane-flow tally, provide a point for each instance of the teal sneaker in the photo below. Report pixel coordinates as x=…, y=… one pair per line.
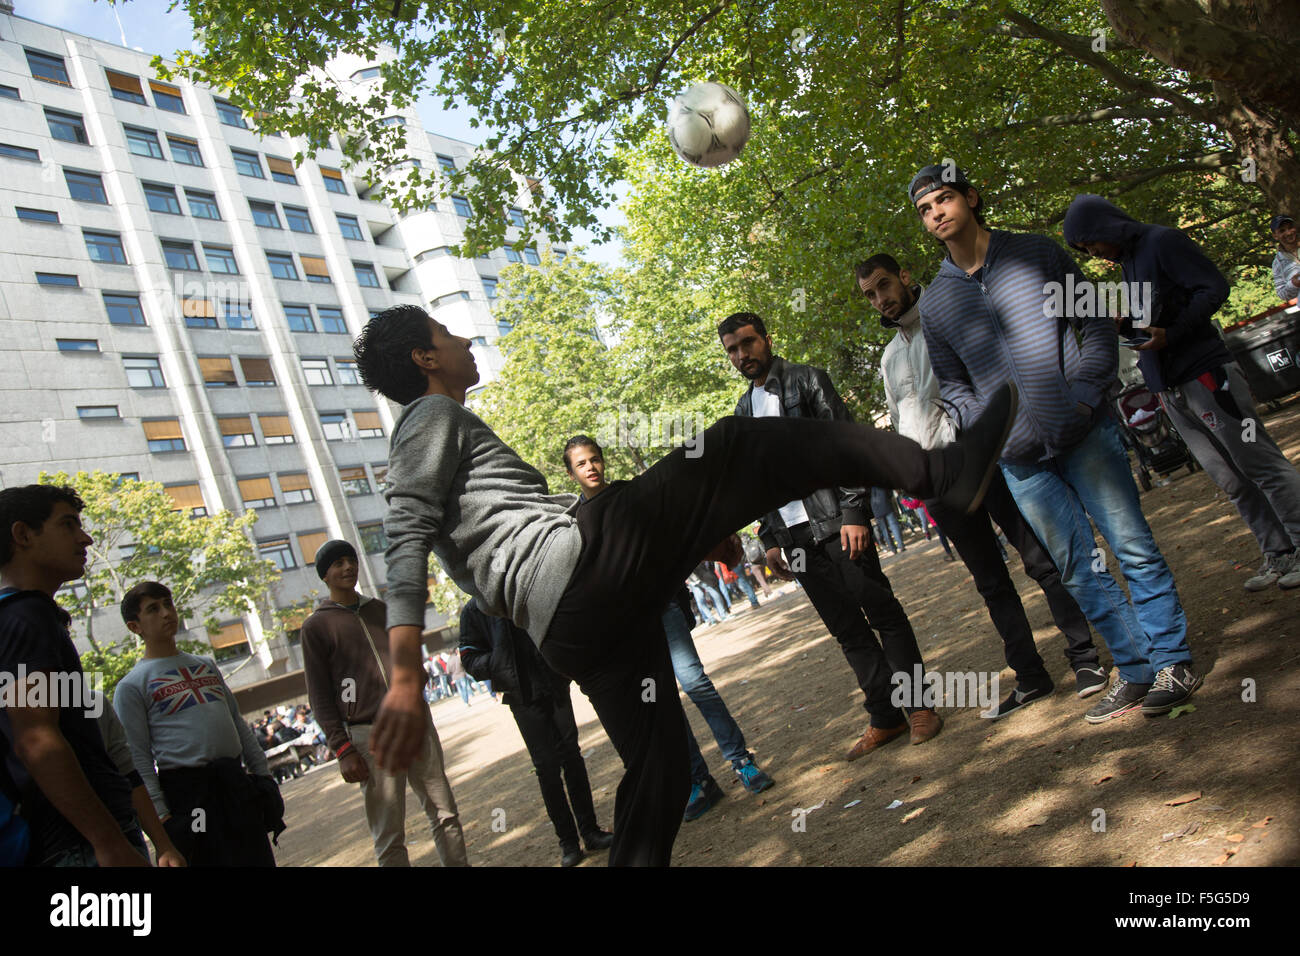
x=753, y=779
x=703, y=797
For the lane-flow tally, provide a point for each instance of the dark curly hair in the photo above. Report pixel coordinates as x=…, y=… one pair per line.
x=32, y=505
x=580, y=441
x=383, y=352
x=738, y=320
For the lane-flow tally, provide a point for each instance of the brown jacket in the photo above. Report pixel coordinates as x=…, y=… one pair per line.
x=345, y=682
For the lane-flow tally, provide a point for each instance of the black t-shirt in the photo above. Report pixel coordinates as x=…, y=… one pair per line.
x=33, y=634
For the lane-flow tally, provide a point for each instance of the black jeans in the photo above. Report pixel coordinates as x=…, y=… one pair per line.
x=641, y=538
x=977, y=543
x=231, y=830
x=853, y=599
x=550, y=733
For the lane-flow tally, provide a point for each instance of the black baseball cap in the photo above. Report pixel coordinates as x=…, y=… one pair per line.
x=1277, y=222
x=937, y=176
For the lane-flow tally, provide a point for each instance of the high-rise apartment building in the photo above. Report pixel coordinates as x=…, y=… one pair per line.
x=179, y=299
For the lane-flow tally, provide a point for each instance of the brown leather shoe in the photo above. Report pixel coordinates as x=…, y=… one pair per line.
x=926, y=725
x=873, y=738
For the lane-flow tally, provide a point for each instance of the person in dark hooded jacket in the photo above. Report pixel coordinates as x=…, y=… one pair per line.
x=1203, y=390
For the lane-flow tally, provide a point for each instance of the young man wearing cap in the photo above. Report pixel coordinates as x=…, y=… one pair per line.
x=589, y=586
x=912, y=396
x=1286, y=261
x=1185, y=361
x=180, y=716
x=998, y=309
x=346, y=659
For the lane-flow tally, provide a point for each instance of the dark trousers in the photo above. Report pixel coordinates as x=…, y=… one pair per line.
x=230, y=830
x=641, y=538
x=977, y=543
x=550, y=733
x=854, y=599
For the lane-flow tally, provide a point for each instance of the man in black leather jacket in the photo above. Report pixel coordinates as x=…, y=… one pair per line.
x=829, y=546
x=491, y=648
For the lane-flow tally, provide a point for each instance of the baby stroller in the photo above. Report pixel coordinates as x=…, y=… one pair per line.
x=1147, y=430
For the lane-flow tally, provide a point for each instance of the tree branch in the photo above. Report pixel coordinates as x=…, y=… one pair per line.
x=1080, y=119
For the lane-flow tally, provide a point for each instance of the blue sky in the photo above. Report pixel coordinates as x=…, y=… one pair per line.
x=149, y=26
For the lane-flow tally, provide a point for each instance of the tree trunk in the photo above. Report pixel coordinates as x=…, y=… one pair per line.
x=1268, y=158
x=90, y=630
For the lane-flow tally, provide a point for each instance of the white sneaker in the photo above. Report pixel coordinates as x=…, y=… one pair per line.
x=1288, y=566
x=1269, y=572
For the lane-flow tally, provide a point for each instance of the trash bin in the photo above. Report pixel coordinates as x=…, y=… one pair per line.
x=1268, y=352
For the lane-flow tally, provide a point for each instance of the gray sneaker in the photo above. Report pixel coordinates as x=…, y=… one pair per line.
x=1269, y=572
x=1288, y=565
x=1122, y=697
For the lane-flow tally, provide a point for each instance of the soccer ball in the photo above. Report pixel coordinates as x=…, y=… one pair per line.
x=708, y=125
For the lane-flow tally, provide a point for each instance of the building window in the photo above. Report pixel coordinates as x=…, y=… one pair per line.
x=221, y=259
x=282, y=171
x=143, y=372
x=531, y=257
x=164, y=435
x=349, y=226
x=447, y=163
x=257, y=371
x=239, y=315
x=161, y=198
x=248, y=164
x=369, y=73
x=202, y=205
x=45, y=66
x=298, y=219
x=373, y=539
x=10, y=92
x=180, y=255
x=489, y=286
x=435, y=253
x=366, y=275
x=143, y=142
x=185, y=150
x=21, y=152
x=230, y=114
x=87, y=187
x=348, y=372
x=331, y=320
x=276, y=429
x=58, y=280
x=264, y=214
x=187, y=498
x=334, y=181
x=381, y=476
x=105, y=247
x=516, y=217
x=256, y=493
x=512, y=255
x=282, y=266
x=123, y=309
x=461, y=205
x=299, y=318
x=505, y=326
x=559, y=254
x=199, y=313
x=68, y=127
x=36, y=215
x=77, y=345
x=167, y=97
x=126, y=88
x=317, y=371
x=368, y=425
x=295, y=489
x=97, y=411
x=314, y=267
x=217, y=371
x=355, y=482
x=335, y=426
x=237, y=431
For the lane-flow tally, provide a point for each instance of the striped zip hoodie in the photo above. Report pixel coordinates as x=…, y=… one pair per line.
x=1004, y=324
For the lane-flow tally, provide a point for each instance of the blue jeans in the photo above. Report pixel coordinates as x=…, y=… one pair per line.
x=1056, y=498
x=462, y=684
x=742, y=579
x=719, y=611
x=690, y=674
x=891, y=530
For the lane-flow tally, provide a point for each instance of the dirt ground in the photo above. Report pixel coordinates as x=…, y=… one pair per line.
x=1216, y=786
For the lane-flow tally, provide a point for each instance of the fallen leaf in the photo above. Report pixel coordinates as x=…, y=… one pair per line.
x=895, y=805
x=851, y=804
x=918, y=777
x=826, y=769
x=1261, y=824
x=1235, y=837
x=1101, y=780
x=1185, y=831
x=1228, y=853
x=914, y=814
x=1263, y=833
x=1184, y=709
x=1185, y=798
x=1130, y=865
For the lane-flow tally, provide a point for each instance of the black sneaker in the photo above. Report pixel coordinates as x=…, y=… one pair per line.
x=1122, y=697
x=1174, y=684
x=1089, y=679
x=1019, y=698
x=598, y=840
x=571, y=854
x=980, y=446
x=703, y=797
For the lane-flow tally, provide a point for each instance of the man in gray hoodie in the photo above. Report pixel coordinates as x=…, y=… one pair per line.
x=589, y=585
